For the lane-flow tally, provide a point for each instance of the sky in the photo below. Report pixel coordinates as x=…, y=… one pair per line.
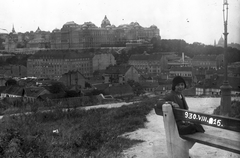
x=190, y=20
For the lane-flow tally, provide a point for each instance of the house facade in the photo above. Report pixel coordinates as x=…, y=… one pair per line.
x=13, y=71
x=205, y=61
x=121, y=74
x=181, y=71
x=54, y=63
x=30, y=94
x=164, y=87
x=149, y=86
x=151, y=63
x=73, y=78
x=185, y=72
x=102, y=60
x=211, y=86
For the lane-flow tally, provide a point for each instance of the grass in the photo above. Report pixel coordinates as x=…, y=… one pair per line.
x=81, y=133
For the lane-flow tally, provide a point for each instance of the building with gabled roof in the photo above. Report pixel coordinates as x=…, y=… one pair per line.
x=164, y=86
x=12, y=91
x=121, y=74
x=102, y=60
x=73, y=78
x=149, y=86
x=29, y=93
x=32, y=93
x=185, y=72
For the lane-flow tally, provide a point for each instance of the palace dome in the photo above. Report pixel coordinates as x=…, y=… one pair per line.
x=70, y=24
x=153, y=26
x=56, y=30
x=221, y=42
x=38, y=30
x=105, y=22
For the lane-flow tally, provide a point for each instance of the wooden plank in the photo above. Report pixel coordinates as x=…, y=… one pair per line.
x=214, y=141
x=232, y=124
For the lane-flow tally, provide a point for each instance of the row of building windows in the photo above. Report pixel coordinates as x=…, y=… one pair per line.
x=182, y=74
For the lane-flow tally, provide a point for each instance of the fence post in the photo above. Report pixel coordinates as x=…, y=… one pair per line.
x=176, y=146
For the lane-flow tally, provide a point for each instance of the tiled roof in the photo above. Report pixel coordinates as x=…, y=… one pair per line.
x=204, y=58
x=13, y=90
x=4, y=71
x=73, y=72
x=34, y=91
x=60, y=54
x=149, y=84
x=181, y=69
x=214, y=71
x=165, y=82
x=146, y=57
x=117, y=69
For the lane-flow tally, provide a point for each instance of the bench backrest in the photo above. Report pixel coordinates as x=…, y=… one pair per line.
x=232, y=124
x=178, y=145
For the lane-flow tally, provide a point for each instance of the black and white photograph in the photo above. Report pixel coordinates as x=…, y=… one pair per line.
x=119, y=79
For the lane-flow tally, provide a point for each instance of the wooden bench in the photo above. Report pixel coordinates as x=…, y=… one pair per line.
x=178, y=145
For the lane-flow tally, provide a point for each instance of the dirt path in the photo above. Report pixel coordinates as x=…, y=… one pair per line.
x=154, y=145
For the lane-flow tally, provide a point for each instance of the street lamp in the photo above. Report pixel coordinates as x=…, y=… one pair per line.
x=225, y=88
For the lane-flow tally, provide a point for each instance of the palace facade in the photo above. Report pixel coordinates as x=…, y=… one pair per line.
x=87, y=35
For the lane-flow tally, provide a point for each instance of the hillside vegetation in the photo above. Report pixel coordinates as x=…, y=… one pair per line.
x=75, y=133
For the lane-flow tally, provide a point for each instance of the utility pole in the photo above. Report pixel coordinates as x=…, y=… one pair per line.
x=225, y=88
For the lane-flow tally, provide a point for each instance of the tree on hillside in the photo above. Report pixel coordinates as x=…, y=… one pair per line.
x=2, y=62
x=11, y=82
x=12, y=60
x=156, y=43
x=233, y=55
x=23, y=60
x=137, y=88
x=57, y=87
x=72, y=93
x=121, y=58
